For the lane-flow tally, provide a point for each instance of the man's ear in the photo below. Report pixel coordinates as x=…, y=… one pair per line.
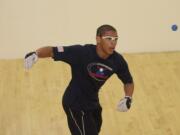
x=98, y=39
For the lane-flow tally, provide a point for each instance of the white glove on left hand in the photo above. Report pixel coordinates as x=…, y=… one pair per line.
x=124, y=104
x=30, y=59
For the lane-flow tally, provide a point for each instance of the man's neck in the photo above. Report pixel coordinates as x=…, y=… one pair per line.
x=100, y=52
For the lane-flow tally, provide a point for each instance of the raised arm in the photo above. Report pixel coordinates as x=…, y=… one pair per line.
x=44, y=52
x=31, y=57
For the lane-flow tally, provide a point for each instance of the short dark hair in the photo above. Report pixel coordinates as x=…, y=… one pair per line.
x=102, y=29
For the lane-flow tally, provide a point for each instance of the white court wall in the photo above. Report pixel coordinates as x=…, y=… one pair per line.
x=143, y=25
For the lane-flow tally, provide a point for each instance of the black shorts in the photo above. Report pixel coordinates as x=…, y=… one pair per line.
x=84, y=122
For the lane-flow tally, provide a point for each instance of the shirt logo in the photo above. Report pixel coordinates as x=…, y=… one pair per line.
x=60, y=49
x=99, y=71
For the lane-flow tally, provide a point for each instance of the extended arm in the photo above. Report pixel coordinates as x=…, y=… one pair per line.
x=44, y=52
x=32, y=57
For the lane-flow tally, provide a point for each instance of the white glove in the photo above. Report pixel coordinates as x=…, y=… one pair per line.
x=30, y=59
x=124, y=104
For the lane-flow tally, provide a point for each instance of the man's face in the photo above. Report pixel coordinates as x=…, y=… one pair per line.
x=108, y=42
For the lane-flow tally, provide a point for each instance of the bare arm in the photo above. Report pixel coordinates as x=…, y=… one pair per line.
x=45, y=52
x=129, y=89
x=31, y=58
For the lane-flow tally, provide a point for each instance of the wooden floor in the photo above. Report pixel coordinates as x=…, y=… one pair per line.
x=30, y=102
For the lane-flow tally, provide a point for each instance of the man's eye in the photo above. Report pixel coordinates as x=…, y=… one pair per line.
x=109, y=38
